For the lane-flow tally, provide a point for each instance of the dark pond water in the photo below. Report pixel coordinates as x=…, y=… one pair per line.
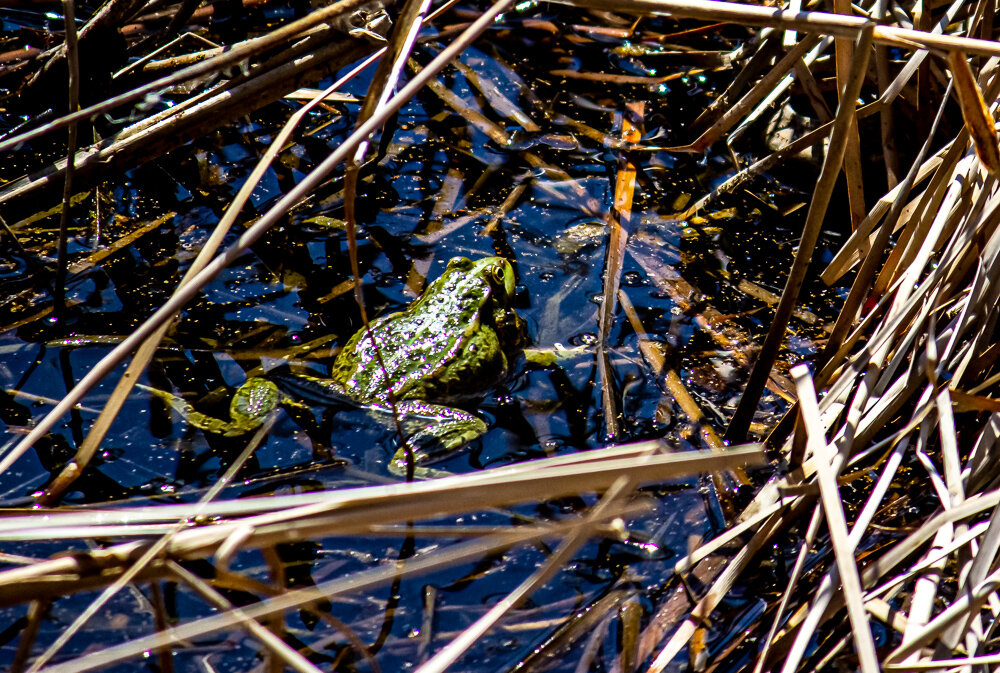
x=441, y=189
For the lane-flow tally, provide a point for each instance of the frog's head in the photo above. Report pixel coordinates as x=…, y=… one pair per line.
x=508, y=325
x=481, y=285
x=496, y=271
x=490, y=293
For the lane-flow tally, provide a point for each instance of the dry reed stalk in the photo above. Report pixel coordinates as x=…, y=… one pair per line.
x=697, y=614
x=807, y=21
x=861, y=239
x=873, y=258
x=616, y=221
x=36, y=615
x=899, y=341
x=73, y=61
x=844, y=55
x=887, y=120
x=379, y=576
x=397, y=52
x=248, y=49
x=929, y=326
x=132, y=520
x=274, y=644
x=978, y=118
x=148, y=63
x=808, y=542
x=836, y=521
x=348, y=512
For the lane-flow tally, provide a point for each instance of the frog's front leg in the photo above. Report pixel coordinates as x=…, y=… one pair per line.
x=433, y=432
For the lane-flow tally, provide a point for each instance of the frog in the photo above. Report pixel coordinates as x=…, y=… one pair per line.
x=450, y=346
x=456, y=341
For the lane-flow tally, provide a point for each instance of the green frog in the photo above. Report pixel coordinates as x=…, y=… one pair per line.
x=451, y=345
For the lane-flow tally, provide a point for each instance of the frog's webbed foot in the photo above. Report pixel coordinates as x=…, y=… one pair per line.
x=433, y=432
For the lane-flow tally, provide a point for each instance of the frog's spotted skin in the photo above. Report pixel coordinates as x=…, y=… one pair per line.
x=451, y=344
x=433, y=432
x=247, y=410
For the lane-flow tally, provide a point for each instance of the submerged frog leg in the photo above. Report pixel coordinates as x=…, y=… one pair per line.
x=434, y=432
x=313, y=390
x=250, y=405
x=191, y=415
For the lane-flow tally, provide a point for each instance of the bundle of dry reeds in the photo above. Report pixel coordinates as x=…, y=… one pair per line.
x=889, y=477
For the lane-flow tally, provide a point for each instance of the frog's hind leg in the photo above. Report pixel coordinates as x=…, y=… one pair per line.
x=313, y=390
x=433, y=432
x=191, y=415
x=249, y=406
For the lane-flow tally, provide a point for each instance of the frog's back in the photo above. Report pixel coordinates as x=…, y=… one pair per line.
x=438, y=348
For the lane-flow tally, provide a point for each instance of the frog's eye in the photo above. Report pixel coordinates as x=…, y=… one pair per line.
x=498, y=274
